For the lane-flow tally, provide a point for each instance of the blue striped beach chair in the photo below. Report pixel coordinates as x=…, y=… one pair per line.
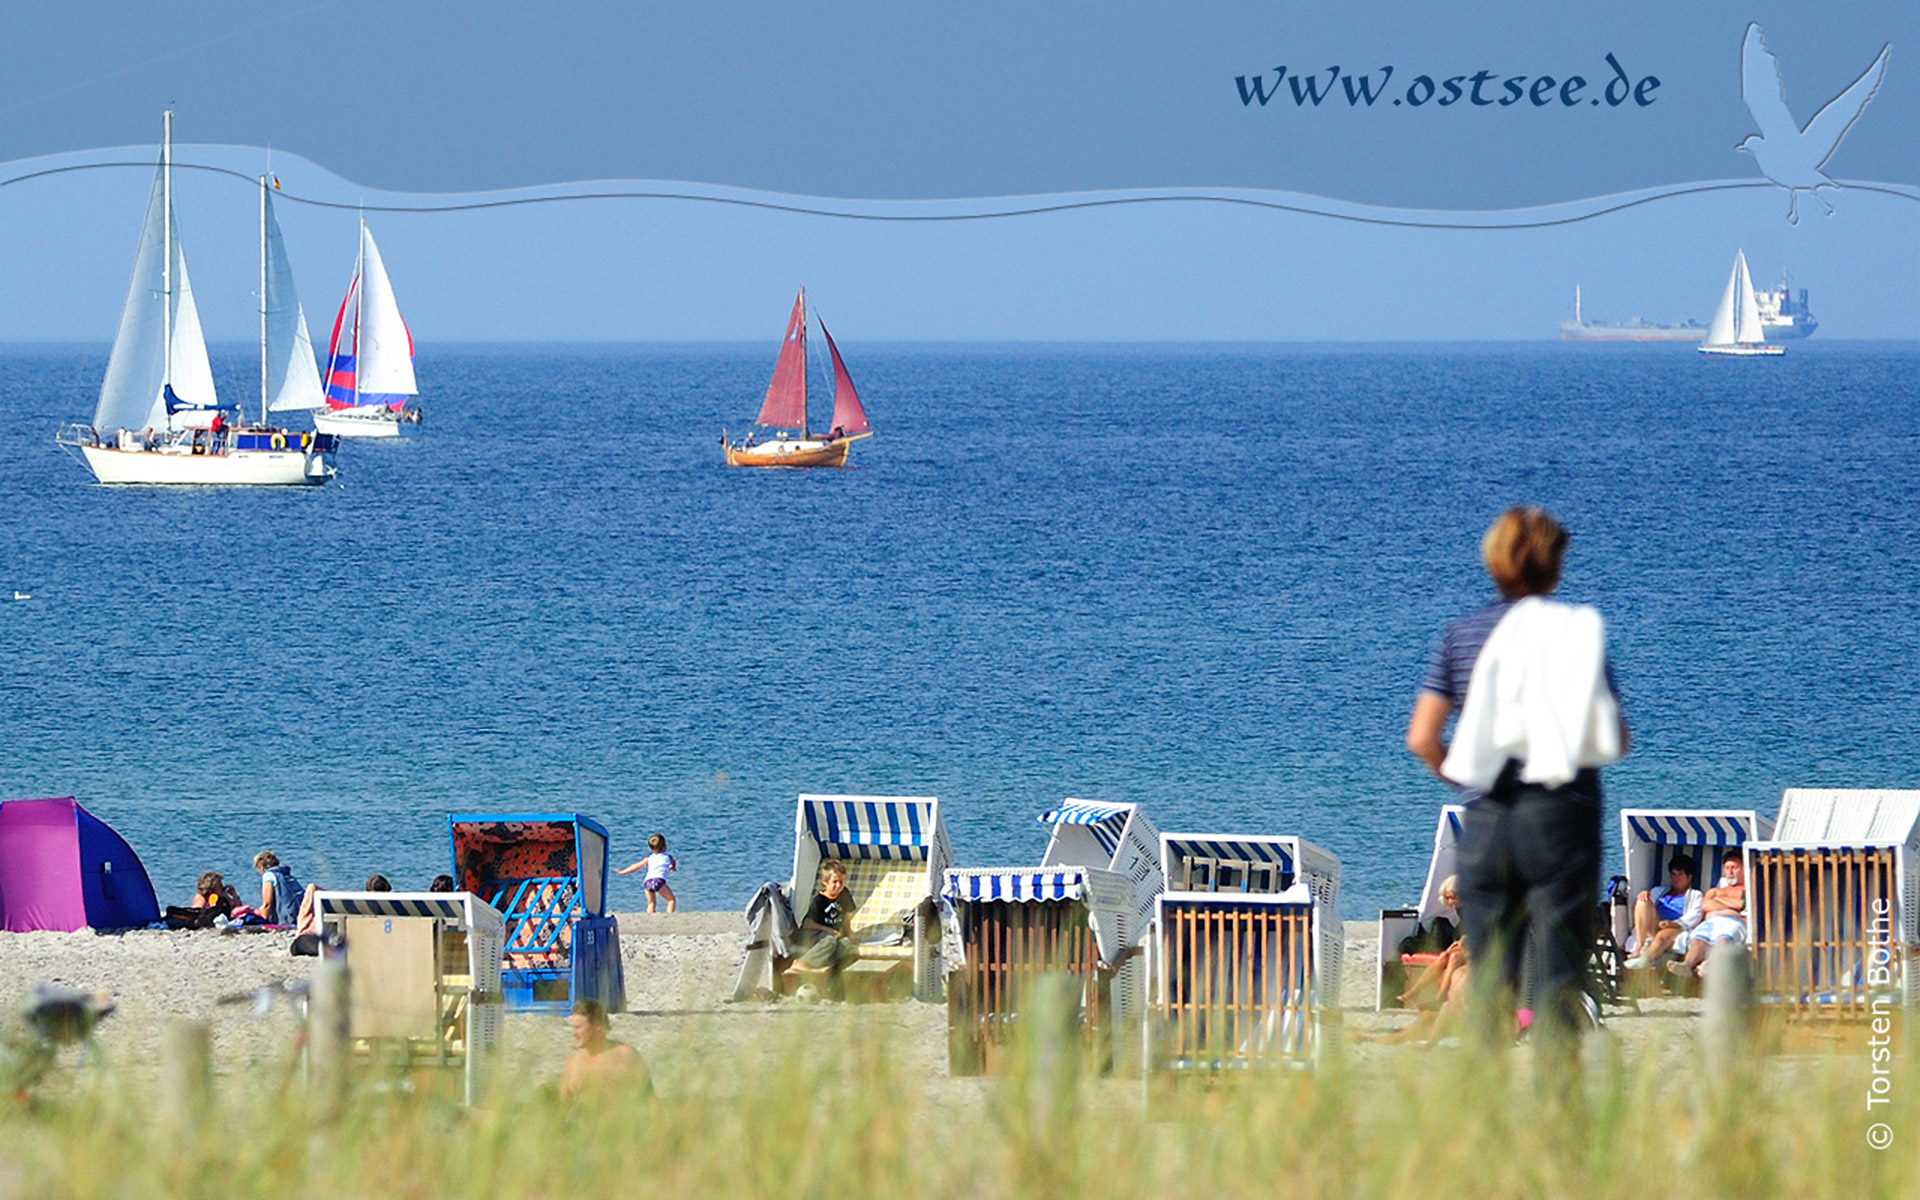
x=424, y=975
x=1650, y=837
x=1244, y=954
x=1396, y=924
x=1007, y=928
x=896, y=851
x=1114, y=837
x=1832, y=903
x=547, y=875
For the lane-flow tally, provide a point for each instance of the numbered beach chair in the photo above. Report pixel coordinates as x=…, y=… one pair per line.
x=1120, y=838
x=546, y=873
x=1831, y=901
x=1011, y=929
x=1396, y=924
x=423, y=977
x=1244, y=954
x=896, y=852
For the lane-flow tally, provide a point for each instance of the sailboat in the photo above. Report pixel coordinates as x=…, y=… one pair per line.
x=158, y=419
x=370, y=379
x=1735, y=330
x=785, y=408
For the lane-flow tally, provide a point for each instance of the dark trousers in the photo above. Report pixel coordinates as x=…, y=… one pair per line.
x=1529, y=863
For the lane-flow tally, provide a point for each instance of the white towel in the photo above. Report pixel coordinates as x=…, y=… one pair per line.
x=1539, y=694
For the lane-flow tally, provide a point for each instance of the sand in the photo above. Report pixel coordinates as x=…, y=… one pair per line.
x=679, y=973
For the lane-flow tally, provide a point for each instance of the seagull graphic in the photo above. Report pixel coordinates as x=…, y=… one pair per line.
x=1789, y=155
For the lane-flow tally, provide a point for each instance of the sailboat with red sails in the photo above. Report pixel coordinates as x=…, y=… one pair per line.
x=785, y=409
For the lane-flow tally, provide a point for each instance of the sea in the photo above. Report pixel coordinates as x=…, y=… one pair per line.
x=1202, y=578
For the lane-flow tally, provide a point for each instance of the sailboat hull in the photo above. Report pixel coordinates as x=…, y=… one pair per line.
x=369, y=422
x=791, y=452
x=1745, y=350
x=238, y=468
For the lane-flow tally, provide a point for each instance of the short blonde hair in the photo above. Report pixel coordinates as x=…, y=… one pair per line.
x=1522, y=550
x=265, y=859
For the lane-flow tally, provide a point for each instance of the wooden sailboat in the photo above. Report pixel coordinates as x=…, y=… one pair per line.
x=1735, y=331
x=370, y=376
x=159, y=420
x=785, y=408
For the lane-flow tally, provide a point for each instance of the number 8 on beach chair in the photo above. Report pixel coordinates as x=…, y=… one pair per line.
x=896, y=850
x=1832, y=903
x=1245, y=952
x=547, y=875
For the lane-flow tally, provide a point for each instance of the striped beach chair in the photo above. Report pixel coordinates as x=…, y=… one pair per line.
x=896, y=851
x=1832, y=903
x=1396, y=924
x=1244, y=954
x=546, y=873
x=423, y=975
x=1120, y=838
x=1009, y=928
x=1650, y=837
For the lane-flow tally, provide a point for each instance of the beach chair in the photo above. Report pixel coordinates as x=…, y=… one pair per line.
x=1832, y=905
x=423, y=971
x=546, y=873
x=1649, y=839
x=1396, y=924
x=1120, y=838
x=1244, y=954
x=896, y=852
x=1010, y=928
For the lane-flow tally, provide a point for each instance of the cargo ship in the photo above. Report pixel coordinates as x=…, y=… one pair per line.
x=1783, y=315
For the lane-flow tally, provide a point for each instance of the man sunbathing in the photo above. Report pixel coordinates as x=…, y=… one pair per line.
x=1723, y=918
x=599, y=1064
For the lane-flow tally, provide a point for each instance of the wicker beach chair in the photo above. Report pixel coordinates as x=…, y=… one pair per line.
x=1832, y=903
x=1244, y=954
x=1396, y=924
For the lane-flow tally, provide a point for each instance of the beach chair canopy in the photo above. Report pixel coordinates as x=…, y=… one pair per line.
x=1114, y=837
x=1444, y=862
x=1649, y=838
x=62, y=868
x=1106, y=895
x=495, y=856
x=1836, y=815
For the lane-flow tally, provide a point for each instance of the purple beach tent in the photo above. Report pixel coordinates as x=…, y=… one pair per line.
x=62, y=868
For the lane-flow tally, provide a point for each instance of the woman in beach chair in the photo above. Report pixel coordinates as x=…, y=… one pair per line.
x=1661, y=918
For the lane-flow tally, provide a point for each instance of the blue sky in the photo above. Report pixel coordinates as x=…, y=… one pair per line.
x=399, y=104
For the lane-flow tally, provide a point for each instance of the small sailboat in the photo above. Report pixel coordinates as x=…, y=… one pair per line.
x=159, y=419
x=370, y=379
x=785, y=408
x=1735, y=331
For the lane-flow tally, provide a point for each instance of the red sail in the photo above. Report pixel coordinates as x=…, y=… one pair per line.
x=848, y=417
x=786, y=404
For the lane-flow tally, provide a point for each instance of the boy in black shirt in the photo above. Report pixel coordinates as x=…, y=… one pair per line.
x=824, y=930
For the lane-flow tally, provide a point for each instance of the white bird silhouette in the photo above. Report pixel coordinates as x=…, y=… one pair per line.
x=1788, y=154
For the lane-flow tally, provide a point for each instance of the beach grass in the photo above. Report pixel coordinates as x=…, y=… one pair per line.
x=803, y=1110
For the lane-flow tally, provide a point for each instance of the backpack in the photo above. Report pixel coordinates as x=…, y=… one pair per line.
x=287, y=893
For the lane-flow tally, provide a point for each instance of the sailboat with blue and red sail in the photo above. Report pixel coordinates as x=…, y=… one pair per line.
x=370, y=356
x=784, y=410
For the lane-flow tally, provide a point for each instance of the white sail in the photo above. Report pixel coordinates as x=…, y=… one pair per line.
x=192, y=374
x=1720, y=330
x=1747, y=328
x=293, y=382
x=384, y=356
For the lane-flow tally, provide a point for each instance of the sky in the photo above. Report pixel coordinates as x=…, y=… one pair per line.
x=870, y=105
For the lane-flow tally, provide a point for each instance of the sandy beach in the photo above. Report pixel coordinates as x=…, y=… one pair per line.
x=679, y=973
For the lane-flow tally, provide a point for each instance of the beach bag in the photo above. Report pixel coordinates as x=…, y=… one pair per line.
x=286, y=896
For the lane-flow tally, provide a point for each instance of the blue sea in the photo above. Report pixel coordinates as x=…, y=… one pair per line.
x=1202, y=578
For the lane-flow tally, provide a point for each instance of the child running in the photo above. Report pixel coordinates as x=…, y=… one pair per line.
x=657, y=863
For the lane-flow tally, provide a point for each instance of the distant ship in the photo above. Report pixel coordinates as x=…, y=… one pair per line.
x=1783, y=317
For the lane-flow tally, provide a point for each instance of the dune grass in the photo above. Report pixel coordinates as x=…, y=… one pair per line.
x=794, y=1116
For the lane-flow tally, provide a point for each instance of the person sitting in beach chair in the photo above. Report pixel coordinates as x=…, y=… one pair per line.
x=1662, y=917
x=1723, y=918
x=825, y=944
x=1432, y=987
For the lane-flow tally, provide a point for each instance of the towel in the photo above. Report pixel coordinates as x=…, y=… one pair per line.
x=1539, y=694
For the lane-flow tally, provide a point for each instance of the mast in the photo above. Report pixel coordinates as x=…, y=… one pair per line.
x=263, y=299
x=806, y=364
x=359, y=304
x=166, y=259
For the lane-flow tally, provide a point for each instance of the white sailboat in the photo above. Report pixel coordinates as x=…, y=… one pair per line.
x=1735, y=331
x=159, y=420
x=370, y=379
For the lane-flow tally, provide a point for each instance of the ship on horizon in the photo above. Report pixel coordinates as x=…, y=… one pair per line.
x=1784, y=317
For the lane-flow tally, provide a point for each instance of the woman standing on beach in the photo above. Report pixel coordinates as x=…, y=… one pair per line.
x=1538, y=714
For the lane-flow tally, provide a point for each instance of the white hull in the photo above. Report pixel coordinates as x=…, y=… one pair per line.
x=1745, y=350
x=360, y=423
x=235, y=468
